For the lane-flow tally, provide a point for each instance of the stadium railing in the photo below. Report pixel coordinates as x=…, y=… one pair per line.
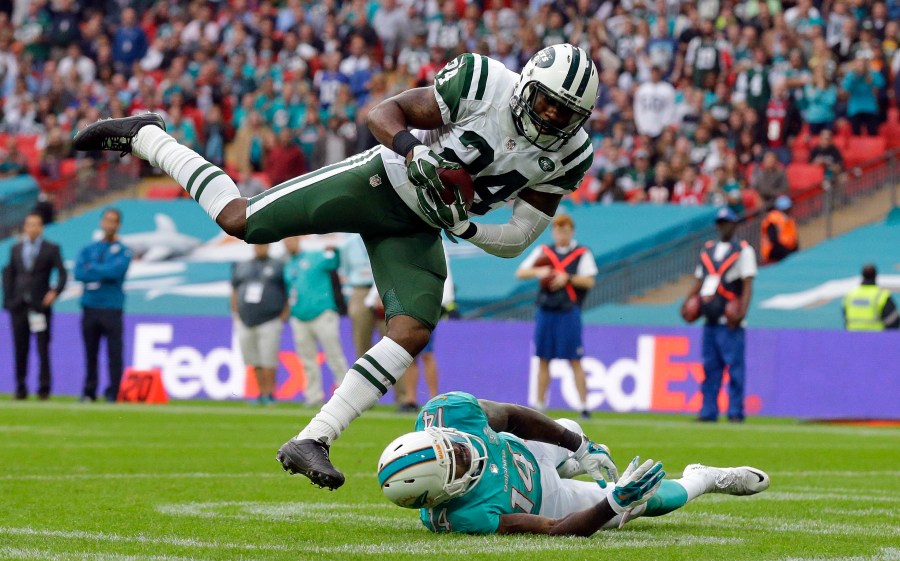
x=89, y=183
x=626, y=278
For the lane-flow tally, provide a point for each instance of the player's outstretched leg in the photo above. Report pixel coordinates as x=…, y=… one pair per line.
x=145, y=136
x=697, y=480
x=737, y=481
x=365, y=383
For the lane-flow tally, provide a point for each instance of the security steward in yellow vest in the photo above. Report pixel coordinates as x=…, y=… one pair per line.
x=869, y=307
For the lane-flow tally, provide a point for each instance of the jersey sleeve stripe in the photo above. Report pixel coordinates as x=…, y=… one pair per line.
x=468, y=71
x=573, y=70
x=572, y=179
x=575, y=153
x=482, y=79
x=588, y=70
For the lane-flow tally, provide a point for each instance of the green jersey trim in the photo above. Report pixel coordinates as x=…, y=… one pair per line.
x=573, y=176
x=453, y=83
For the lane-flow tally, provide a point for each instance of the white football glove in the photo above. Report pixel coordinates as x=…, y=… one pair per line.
x=422, y=169
x=439, y=213
x=595, y=459
x=636, y=485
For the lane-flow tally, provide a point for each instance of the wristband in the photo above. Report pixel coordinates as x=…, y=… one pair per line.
x=468, y=232
x=404, y=141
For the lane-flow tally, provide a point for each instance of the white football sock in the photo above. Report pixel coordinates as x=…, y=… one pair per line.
x=696, y=483
x=208, y=185
x=365, y=383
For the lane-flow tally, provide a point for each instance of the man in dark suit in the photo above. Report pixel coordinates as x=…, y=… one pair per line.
x=28, y=297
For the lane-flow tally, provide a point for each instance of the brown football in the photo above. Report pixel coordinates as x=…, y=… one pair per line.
x=733, y=310
x=690, y=308
x=544, y=261
x=462, y=180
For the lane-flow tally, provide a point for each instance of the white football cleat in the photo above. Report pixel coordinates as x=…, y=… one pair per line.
x=744, y=480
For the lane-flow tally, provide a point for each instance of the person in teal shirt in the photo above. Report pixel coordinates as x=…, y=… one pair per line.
x=314, y=316
x=481, y=467
x=821, y=99
x=863, y=85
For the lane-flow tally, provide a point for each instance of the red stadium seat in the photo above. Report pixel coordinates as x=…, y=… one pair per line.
x=168, y=191
x=799, y=154
x=68, y=167
x=863, y=148
x=752, y=201
x=804, y=176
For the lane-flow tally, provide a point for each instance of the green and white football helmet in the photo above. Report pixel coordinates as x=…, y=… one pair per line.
x=419, y=469
x=564, y=76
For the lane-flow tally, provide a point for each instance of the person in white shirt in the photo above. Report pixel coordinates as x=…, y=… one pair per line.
x=654, y=105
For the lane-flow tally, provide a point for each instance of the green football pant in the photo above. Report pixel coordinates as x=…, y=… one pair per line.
x=355, y=196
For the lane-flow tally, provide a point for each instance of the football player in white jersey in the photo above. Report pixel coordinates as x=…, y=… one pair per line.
x=519, y=136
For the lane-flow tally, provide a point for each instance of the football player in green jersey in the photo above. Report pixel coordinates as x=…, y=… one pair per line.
x=481, y=467
x=519, y=136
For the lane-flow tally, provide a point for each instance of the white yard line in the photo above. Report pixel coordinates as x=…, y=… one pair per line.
x=7, y=552
x=886, y=554
x=432, y=545
x=140, y=538
x=777, y=524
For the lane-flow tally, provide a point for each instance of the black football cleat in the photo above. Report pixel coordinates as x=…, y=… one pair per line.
x=309, y=457
x=114, y=135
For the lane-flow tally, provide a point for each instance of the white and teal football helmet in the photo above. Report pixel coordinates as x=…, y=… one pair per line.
x=419, y=469
x=566, y=76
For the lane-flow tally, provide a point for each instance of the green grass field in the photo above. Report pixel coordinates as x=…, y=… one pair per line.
x=199, y=481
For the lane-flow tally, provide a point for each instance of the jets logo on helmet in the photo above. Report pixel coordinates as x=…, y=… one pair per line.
x=555, y=95
x=426, y=468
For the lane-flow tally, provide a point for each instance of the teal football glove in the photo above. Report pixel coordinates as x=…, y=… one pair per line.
x=595, y=459
x=636, y=485
x=422, y=169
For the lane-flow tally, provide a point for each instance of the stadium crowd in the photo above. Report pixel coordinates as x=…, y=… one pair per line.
x=701, y=101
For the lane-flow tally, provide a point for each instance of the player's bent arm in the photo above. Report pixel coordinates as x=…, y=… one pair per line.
x=531, y=215
x=583, y=523
x=529, y=424
x=416, y=108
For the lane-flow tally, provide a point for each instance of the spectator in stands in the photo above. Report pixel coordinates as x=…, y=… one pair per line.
x=827, y=155
x=690, y=189
x=260, y=307
x=249, y=184
x=284, y=158
x=869, y=307
x=182, y=129
x=28, y=296
x=566, y=272
x=863, y=86
x=778, y=232
x=727, y=190
x=130, y=41
x=314, y=316
x=782, y=121
x=250, y=141
x=724, y=275
x=102, y=267
x=821, y=99
x=769, y=180
x=215, y=134
x=654, y=104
